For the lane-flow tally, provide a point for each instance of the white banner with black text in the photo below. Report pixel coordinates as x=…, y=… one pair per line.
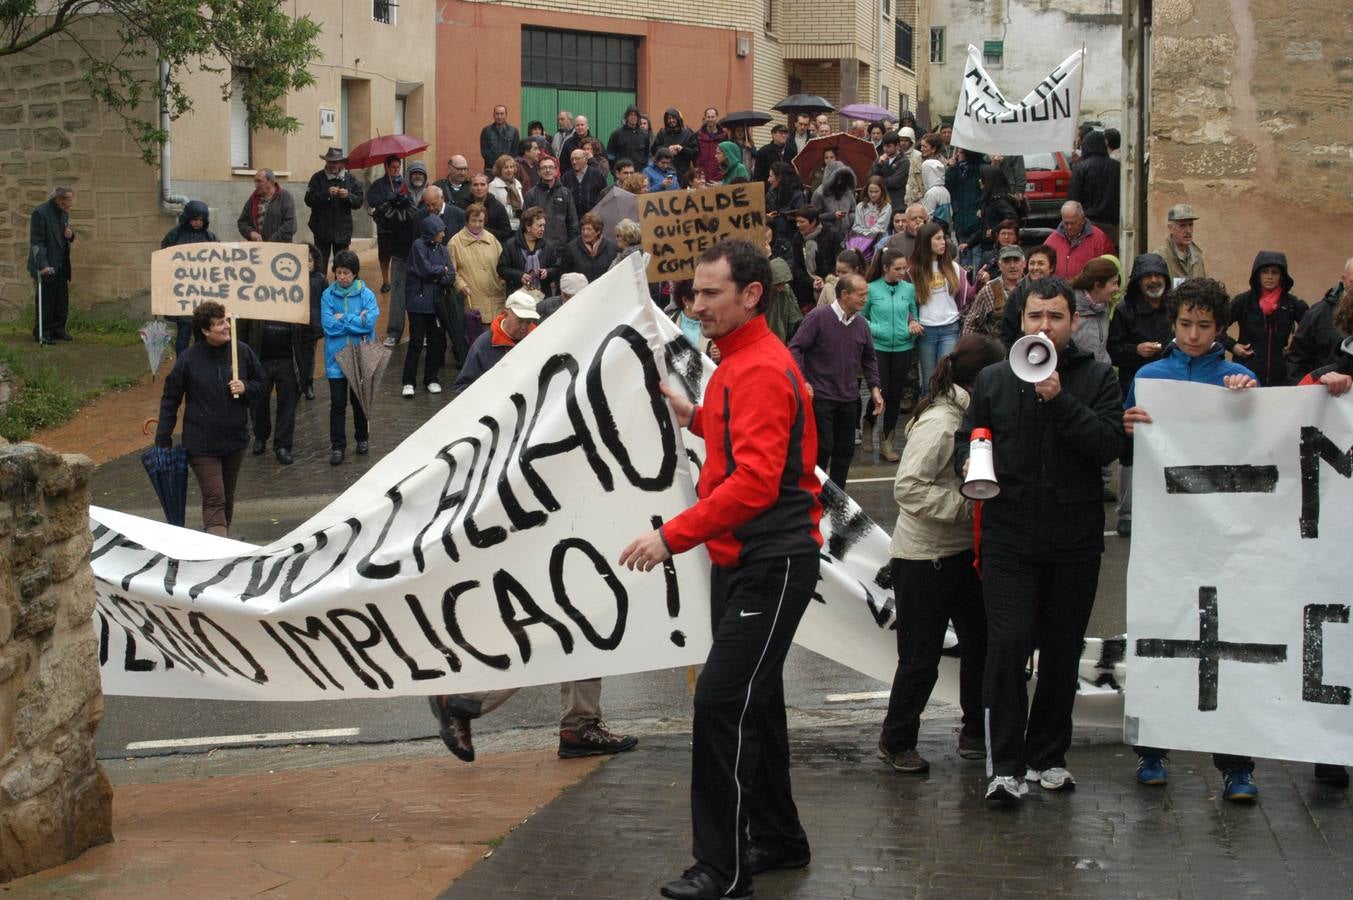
x=1239, y=638
x=1043, y=122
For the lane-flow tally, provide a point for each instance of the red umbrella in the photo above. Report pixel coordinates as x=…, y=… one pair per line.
x=375, y=151
x=856, y=153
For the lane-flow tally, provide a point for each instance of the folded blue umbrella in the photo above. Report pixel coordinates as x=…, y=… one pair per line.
x=168, y=472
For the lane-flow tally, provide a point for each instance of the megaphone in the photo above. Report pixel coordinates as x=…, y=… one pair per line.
x=981, y=481
x=1033, y=358
x=1347, y=345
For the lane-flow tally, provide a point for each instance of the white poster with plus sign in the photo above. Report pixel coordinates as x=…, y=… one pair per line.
x=1239, y=634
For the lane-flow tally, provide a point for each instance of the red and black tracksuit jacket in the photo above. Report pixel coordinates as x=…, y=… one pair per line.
x=758, y=489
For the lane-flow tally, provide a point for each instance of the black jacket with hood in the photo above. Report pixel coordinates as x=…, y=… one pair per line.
x=667, y=137
x=1047, y=456
x=629, y=143
x=1317, y=342
x=183, y=233
x=214, y=422
x=997, y=204
x=1136, y=321
x=1266, y=335
x=1094, y=180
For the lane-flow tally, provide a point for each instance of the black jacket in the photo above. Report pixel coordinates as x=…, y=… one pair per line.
x=894, y=171
x=214, y=423
x=784, y=201
x=576, y=259
x=496, y=141
x=497, y=220
x=183, y=233
x=586, y=188
x=512, y=263
x=561, y=217
x=452, y=216
x=1266, y=335
x=997, y=204
x=768, y=156
x=629, y=143
x=394, y=211
x=48, y=246
x=1317, y=342
x=1094, y=180
x=1135, y=321
x=331, y=217
x=828, y=247
x=667, y=137
x=1047, y=457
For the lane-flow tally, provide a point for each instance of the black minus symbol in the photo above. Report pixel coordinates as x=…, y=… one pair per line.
x=1220, y=479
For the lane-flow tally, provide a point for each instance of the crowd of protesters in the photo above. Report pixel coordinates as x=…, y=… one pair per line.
x=897, y=291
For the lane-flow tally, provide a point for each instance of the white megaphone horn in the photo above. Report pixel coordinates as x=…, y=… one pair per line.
x=1033, y=358
x=981, y=481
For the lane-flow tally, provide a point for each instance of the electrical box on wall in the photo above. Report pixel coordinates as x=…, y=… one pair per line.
x=328, y=122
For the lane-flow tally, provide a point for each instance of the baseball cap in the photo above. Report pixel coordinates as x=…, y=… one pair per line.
x=523, y=305
x=1011, y=251
x=1181, y=212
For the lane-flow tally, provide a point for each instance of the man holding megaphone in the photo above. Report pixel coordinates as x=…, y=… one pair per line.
x=1054, y=417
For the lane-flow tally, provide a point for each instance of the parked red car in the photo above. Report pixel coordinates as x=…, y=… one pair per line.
x=1048, y=179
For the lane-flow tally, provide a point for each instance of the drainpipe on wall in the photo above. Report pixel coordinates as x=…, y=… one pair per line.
x=170, y=203
x=878, y=56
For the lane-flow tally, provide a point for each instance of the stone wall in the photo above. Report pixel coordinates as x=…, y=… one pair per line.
x=55, y=801
x=1249, y=122
x=52, y=132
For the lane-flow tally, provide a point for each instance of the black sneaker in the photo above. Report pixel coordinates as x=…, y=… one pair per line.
x=259, y=446
x=697, y=884
x=908, y=762
x=283, y=456
x=593, y=740
x=362, y=448
x=760, y=859
x=453, y=730
x=336, y=458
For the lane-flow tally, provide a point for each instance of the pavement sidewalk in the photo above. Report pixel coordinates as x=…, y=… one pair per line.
x=418, y=824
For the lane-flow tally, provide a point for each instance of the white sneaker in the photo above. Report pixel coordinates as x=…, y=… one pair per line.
x=391, y=341
x=407, y=392
x=434, y=388
x=1054, y=779
x=1006, y=790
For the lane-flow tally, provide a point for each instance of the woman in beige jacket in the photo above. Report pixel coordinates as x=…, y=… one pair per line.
x=474, y=255
x=933, y=575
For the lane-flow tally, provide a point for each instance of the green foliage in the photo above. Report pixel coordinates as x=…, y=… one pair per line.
x=120, y=382
x=256, y=37
x=90, y=328
x=42, y=398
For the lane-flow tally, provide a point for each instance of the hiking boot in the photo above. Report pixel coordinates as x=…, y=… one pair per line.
x=1238, y=786
x=1054, y=779
x=1151, y=770
x=593, y=740
x=867, y=440
x=760, y=859
x=453, y=730
x=697, y=884
x=1334, y=776
x=970, y=747
x=1006, y=790
x=363, y=448
x=886, y=448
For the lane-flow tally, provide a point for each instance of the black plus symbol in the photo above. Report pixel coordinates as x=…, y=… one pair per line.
x=1209, y=649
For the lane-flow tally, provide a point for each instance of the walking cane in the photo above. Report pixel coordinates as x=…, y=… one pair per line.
x=42, y=338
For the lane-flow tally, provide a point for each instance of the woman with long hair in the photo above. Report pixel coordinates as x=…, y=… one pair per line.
x=784, y=197
x=932, y=564
x=506, y=189
x=891, y=313
x=942, y=290
x=873, y=216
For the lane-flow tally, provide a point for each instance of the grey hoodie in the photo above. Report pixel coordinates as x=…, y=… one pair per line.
x=836, y=176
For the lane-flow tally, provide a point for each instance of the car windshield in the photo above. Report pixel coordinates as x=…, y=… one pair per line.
x=1039, y=162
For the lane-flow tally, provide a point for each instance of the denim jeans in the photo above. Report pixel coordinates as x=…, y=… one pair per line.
x=936, y=341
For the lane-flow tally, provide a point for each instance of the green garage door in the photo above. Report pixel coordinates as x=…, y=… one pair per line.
x=587, y=74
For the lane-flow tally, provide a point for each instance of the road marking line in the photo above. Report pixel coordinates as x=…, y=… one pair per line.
x=861, y=695
x=868, y=480
x=246, y=738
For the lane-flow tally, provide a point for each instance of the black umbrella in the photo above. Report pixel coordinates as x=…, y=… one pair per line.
x=804, y=103
x=168, y=471
x=749, y=117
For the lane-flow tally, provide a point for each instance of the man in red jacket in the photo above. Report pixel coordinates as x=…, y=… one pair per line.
x=1077, y=241
x=758, y=516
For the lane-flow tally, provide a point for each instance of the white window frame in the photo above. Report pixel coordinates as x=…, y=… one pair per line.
x=241, y=147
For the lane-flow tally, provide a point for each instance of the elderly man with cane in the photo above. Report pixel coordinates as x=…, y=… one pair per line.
x=50, y=237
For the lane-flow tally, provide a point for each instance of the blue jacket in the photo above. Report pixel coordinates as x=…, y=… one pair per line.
x=353, y=327
x=1210, y=368
x=656, y=177
x=430, y=270
x=889, y=311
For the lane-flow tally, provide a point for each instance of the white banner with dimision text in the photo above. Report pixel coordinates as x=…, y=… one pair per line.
x=1043, y=122
x=481, y=553
x=1239, y=639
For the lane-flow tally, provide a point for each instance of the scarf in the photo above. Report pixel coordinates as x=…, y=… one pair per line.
x=690, y=329
x=513, y=194
x=1268, y=300
x=593, y=248
x=475, y=235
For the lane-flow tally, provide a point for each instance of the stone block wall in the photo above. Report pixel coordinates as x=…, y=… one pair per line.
x=1249, y=123
x=52, y=132
x=55, y=801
